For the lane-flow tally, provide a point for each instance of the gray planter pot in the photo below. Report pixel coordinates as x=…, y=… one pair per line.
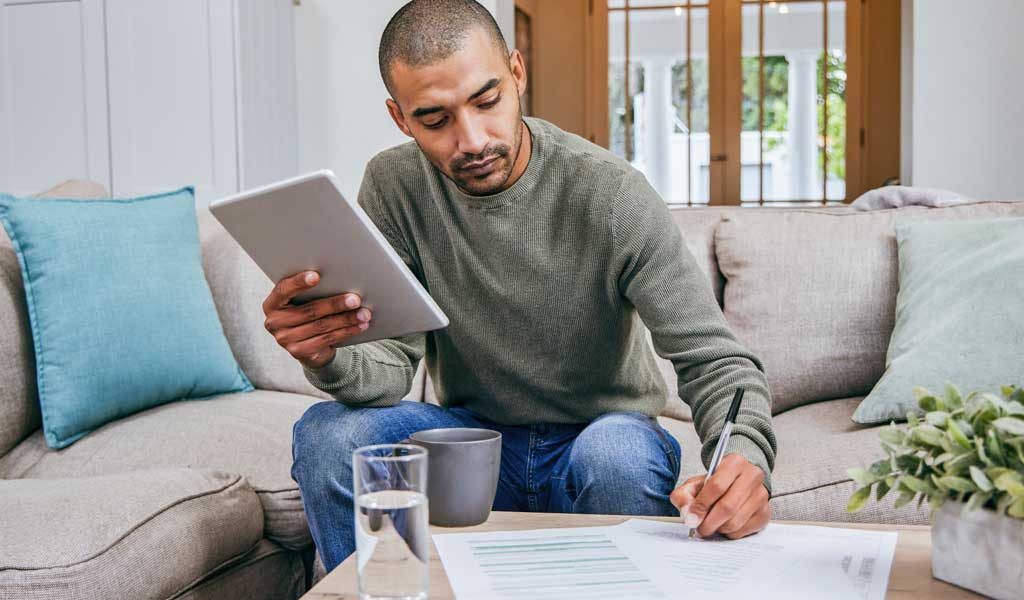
x=978, y=550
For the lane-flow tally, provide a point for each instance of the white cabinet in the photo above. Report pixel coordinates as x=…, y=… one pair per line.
x=147, y=95
x=53, y=94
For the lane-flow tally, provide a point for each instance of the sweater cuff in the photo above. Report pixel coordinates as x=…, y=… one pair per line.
x=327, y=377
x=748, y=449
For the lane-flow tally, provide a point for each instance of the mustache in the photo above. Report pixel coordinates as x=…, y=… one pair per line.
x=495, y=151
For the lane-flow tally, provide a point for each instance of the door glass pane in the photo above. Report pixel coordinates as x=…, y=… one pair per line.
x=665, y=135
x=621, y=114
x=784, y=162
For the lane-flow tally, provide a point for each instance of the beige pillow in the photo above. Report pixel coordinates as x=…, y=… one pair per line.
x=813, y=292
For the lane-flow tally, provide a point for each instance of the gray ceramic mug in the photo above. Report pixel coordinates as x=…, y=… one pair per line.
x=462, y=473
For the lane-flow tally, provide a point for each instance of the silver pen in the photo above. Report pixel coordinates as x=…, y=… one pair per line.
x=723, y=439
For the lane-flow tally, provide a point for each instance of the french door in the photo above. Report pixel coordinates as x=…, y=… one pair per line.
x=740, y=102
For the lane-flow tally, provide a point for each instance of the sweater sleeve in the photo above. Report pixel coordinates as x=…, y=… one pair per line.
x=658, y=275
x=379, y=373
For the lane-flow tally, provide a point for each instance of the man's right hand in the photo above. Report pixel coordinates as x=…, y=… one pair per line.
x=310, y=332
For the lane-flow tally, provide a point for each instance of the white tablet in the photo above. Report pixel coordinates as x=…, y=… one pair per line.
x=305, y=223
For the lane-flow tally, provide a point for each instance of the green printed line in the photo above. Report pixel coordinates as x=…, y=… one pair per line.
x=475, y=548
x=548, y=562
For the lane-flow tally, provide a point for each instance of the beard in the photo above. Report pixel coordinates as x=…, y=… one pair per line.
x=504, y=158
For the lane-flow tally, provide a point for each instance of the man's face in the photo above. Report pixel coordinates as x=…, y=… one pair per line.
x=464, y=113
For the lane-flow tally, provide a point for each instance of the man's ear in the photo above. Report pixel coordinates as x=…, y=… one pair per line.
x=517, y=66
x=396, y=115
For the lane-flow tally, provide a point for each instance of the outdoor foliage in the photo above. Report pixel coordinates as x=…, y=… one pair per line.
x=968, y=450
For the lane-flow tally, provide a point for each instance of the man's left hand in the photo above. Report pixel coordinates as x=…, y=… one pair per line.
x=734, y=502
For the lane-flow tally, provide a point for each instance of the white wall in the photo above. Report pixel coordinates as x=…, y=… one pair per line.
x=342, y=118
x=967, y=97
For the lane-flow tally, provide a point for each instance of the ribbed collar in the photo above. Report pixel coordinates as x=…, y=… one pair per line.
x=522, y=187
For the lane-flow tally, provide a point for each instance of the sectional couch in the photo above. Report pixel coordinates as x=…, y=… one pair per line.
x=194, y=499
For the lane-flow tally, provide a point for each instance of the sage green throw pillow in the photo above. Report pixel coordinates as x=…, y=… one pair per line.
x=959, y=314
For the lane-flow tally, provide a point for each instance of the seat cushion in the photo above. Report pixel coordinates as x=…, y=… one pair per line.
x=121, y=316
x=817, y=444
x=267, y=572
x=248, y=434
x=813, y=292
x=147, y=534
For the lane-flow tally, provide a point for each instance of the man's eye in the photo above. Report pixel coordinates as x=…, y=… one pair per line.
x=435, y=124
x=490, y=104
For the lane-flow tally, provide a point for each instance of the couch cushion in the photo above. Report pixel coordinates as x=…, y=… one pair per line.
x=19, y=404
x=813, y=292
x=122, y=318
x=248, y=434
x=817, y=444
x=148, y=534
x=267, y=571
x=959, y=314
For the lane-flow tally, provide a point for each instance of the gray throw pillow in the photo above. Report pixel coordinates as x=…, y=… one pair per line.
x=959, y=314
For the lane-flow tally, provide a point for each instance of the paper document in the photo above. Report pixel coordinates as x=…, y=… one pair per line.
x=642, y=559
x=783, y=561
x=540, y=564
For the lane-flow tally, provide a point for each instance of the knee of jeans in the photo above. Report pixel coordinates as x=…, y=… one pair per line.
x=616, y=448
x=328, y=432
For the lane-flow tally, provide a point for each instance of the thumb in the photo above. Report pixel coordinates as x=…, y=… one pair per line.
x=683, y=496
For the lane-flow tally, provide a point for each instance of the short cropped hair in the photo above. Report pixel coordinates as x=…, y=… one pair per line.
x=424, y=32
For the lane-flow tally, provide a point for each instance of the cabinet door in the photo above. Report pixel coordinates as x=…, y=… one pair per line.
x=172, y=96
x=53, y=94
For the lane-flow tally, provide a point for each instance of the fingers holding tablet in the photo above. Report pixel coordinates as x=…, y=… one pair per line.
x=311, y=331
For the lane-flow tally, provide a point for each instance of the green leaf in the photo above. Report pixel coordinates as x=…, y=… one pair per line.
x=928, y=434
x=904, y=498
x=977, y=501
x=1011, y=425
x=1007, y=390
x=920, y=392
x=1011, y=483
x=858, y=499
x=957, y=484
x=861, y=476
x=892, y=435
x=959, y=464
x=914, y=484
x=936, y=418
x=928, y=403
x=957, y=434
x=953, y=395
x=882, y=490
x=994, y=448
x=1016, y=509
x=980, y=479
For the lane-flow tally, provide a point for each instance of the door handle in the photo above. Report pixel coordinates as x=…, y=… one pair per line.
x=719, y=157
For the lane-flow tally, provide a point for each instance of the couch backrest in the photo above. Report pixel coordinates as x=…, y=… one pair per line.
x=19, y=402
x=813, y=292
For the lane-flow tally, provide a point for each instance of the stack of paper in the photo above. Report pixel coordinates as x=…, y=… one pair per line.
x=652, y=559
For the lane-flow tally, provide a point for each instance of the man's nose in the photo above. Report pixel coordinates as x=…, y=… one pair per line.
x=472, y=137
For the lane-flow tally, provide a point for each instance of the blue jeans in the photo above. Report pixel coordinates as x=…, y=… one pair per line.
x=622, y=463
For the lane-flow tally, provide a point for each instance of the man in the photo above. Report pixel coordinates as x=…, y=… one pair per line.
x=543, y=249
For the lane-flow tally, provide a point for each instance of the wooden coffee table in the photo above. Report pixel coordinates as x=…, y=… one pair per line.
x=911, y=575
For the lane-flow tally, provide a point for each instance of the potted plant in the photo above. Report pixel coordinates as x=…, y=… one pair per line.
x=966, y=458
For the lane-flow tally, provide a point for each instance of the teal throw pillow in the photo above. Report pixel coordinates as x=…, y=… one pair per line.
x=959, y=314
x=121, y=315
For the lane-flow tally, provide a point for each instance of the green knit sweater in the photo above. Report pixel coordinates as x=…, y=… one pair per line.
x=545, y=285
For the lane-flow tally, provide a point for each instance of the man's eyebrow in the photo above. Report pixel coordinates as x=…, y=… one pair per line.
x=493, y=83
x=421, y=112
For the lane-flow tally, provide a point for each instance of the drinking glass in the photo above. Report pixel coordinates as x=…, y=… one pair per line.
x=392, y=534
